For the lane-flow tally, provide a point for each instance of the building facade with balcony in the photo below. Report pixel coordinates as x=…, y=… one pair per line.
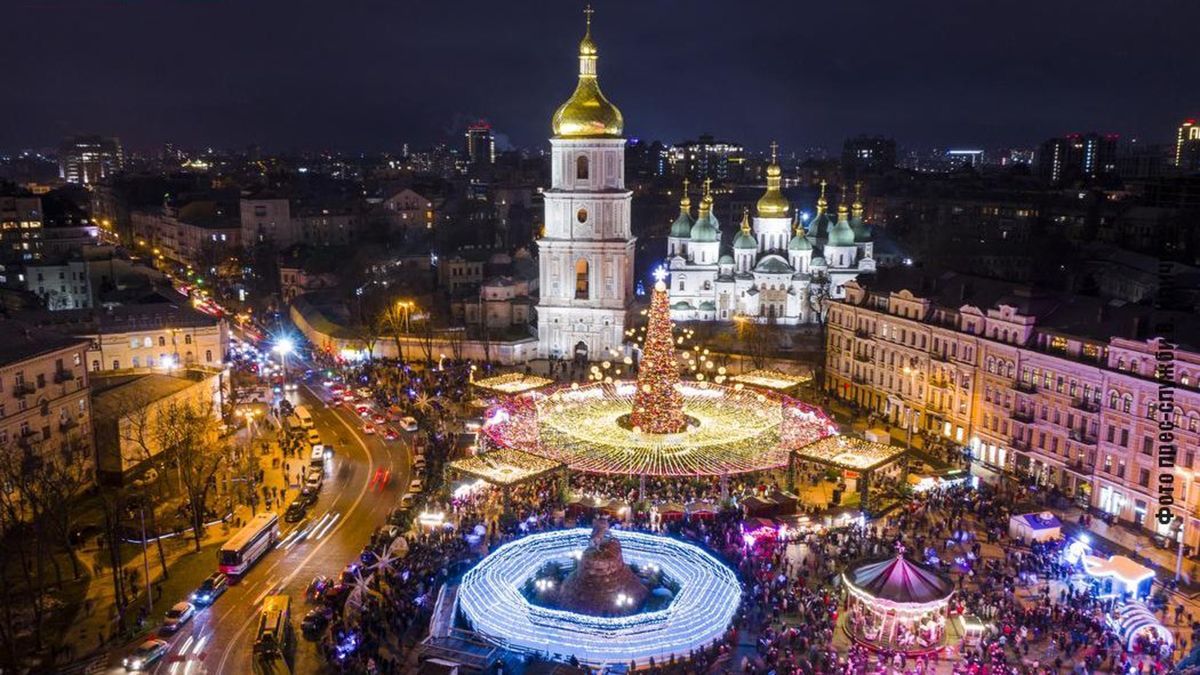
x=44, y=391
x=1060, y=390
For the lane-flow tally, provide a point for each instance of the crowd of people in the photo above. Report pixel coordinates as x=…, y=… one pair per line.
x=1043, y=615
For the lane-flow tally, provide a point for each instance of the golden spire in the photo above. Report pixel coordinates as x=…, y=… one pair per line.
x=745, y=220
x=843, y=208
x=685, y=202
x=587, y=114
x=856, y=209
x=773, y=204
x=706, y=201
x=822, y=203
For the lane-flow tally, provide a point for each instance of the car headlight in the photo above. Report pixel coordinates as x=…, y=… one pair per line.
x=136, y=663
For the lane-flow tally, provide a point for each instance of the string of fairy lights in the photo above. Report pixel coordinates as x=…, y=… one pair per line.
x=659, y=425
x=491, y=600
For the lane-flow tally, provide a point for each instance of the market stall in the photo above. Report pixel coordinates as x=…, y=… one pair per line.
x=1030, y=527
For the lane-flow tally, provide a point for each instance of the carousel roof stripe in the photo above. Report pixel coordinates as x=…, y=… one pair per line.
x=899, y=580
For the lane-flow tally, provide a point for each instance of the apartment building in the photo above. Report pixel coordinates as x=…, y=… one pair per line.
x=1059, y=389
x=159, y=335
x=44, y=393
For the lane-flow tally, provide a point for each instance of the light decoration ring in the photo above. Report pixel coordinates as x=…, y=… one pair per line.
x=709, y=594
x=737, y=430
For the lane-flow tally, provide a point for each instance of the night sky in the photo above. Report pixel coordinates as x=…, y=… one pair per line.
x=357, y=75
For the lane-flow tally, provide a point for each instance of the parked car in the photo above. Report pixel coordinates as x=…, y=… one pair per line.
x=384, y=535
x=179, y=614
x=210, y=589
x=313, y=478
x=317, y=588
x=408, y=423
x=295, y=511
x=315, y=622
x=145, y=655
x=309, y=495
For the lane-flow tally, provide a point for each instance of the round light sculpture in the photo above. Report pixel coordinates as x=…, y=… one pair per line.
x=731, y=430
x=491, y=600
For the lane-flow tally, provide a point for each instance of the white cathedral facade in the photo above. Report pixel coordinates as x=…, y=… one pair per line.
x=774, y=270
x=586, y=251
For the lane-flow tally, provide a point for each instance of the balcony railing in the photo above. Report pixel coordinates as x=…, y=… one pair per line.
x=1020, y=444
x=861, y=357
x=63, y=376
x=1085, y=404
x=862, y=333
x=1025, y=416
x=1083, y=437
x=1026, y=387
x=23, y=389
x=858, y=379
x=939, y=356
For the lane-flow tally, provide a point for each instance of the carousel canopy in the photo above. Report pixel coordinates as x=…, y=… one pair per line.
x=900, y=581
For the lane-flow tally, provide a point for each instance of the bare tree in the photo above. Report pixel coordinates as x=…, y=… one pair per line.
x=56, y=483
x=819, y=292
x=189, y=431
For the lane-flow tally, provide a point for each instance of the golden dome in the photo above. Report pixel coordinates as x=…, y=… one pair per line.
x=773, y=204
x=822, y=203
x=856, y=209
x=685, y=202
x=587, y=114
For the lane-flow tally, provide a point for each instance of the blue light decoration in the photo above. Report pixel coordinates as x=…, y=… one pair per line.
x=709, y=593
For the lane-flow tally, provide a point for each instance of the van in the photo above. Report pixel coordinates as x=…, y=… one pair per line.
x=302, y=414
x=274, y=626
x=317, y=459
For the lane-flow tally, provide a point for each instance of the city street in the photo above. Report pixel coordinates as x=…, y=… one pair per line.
x=351, y=505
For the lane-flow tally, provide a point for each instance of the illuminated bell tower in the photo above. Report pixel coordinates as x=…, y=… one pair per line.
x=585, y=255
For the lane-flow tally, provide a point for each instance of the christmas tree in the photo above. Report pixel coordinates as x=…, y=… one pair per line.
x=658, y=405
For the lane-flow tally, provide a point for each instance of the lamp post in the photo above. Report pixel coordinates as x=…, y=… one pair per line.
x=283, y=347
x=405, y=306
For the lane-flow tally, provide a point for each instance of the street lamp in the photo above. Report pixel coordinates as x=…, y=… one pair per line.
x=283, y=347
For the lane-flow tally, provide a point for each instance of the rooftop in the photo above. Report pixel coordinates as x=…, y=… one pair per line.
x=164, y=313
x=23, y=341
x=116, y=395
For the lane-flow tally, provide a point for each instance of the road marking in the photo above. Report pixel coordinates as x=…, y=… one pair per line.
x=265, y=592
x=321, y=534
x=316, y=549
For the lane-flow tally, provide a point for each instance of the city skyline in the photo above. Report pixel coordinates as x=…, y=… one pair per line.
x=370, y=78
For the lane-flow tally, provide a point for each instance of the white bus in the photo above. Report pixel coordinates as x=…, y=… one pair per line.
x=249, y=544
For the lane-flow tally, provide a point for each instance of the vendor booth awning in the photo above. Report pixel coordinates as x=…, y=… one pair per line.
x=505, y=467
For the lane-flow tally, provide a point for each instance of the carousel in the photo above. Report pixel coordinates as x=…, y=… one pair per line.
x=896, y=604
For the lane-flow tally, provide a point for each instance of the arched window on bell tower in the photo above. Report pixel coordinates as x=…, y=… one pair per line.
x=581, y=280
x=581, y=167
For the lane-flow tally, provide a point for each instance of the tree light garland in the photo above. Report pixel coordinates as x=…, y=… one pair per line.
x=709, y=593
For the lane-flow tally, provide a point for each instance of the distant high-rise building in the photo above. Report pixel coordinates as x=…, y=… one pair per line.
x=481, y=143
x=88, y=159
x=1078, y=157
x=960, y=158
x=1187, y=146
x=707, y=157
x=868, y=154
